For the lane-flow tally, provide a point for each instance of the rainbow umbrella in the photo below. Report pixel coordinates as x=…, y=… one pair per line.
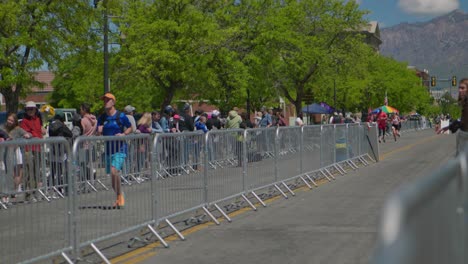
x=386, y=108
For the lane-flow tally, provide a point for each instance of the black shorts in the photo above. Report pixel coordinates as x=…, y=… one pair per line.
x=397, y=126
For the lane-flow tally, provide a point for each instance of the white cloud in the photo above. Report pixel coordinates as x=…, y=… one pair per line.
x=428, y=7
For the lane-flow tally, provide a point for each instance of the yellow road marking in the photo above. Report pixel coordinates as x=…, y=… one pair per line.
x=143, y=253
x=406, y=147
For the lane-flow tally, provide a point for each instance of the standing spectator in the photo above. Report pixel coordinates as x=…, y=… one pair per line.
x=89, y=127
x=234, y=120
x=5, y=185
x=174, y=148
x=145, y=123
x=258, y=117
x=155, y=125
x=196, y=117
x=88, y=120
x=16, y=132
x=58, y=158
x=331, y=120
x=246, y=123
x=201, y=124
x=77, y=129
x=281, y=121
x=266, y=120
x=462, y=124
x=166, y=118
x=348, y=119
x=129, y=111
x=112, y=123
x=299, y=121
x=274, y=118
x=186, y=120
x=338, y=119
x=213, y=122
x=175, y=128
x=263, y=141
x=32, y=124
x=145, y=127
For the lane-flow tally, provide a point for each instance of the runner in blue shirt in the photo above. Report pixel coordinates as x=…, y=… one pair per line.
x=114, y=123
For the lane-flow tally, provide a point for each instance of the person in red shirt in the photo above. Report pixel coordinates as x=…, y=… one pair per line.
x=382, y=123
x=32, y=124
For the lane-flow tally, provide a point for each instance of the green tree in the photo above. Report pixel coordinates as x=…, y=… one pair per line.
x=36, y=34
x=300, y=39
x=169, y=45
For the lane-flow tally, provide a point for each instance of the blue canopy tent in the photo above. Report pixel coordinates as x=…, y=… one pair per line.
x=328, y=107
x=314, y=109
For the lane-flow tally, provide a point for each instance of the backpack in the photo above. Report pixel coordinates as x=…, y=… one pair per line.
x=57, y=129
x=103, y=117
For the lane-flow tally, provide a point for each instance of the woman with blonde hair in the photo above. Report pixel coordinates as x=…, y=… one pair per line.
x=144, y=125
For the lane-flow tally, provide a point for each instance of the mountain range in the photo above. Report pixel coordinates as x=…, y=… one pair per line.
x=439, y=45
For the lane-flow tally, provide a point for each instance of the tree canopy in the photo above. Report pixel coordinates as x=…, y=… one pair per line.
x=230, y=53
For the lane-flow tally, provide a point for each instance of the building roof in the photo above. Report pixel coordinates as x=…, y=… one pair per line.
x=45, y=77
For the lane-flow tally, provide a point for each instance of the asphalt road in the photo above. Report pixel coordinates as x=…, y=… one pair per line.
x=334, y=223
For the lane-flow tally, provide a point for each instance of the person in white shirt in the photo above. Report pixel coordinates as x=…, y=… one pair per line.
x=299, y=121
x=129, y=111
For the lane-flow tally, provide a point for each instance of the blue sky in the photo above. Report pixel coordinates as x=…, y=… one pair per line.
x=392, y=12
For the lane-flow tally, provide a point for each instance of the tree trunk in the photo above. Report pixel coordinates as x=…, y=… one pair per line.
x=298, y=105
x=11, y=98
x=170, y=92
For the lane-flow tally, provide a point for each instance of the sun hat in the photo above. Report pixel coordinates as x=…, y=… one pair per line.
x=30, y=104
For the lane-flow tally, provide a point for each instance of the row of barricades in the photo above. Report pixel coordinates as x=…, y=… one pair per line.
x=426, y=221
x=60, y=197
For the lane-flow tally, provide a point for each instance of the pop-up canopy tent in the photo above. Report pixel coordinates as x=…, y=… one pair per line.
x=328, y=107
x=314, y=109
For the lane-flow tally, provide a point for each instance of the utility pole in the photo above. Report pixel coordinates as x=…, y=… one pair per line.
x=334, y=93
x=105, y=43
x=106, y=48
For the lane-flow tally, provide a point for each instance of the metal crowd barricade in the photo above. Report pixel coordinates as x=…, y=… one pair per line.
x=181, y=156
x=425, y=222
x=36, y=221
x=289, y=152
x=161, y=178
x=97, y=216
x=311, y=148
x=261, y=161
x=225, y=174
x=311, y=156
x=327, y=146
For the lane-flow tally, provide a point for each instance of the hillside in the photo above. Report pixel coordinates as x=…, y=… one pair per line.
x=439, y=45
